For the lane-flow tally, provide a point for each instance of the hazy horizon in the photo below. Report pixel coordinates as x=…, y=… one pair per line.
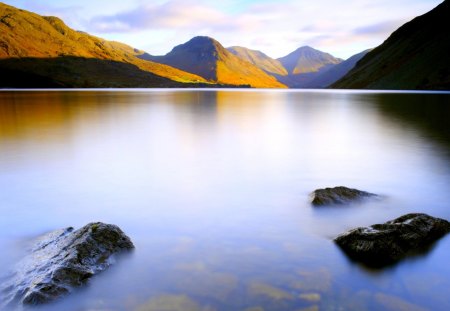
x=275, y=28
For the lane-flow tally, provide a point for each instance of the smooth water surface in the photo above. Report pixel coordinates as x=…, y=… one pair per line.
x=212, y=187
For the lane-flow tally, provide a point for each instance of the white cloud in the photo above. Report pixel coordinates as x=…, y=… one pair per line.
x=174, y=14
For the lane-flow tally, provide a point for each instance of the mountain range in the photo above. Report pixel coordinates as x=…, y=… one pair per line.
x=207, y=58
x=42, y=51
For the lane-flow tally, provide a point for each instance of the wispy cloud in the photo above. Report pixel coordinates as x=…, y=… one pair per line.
x=378, y=28
x=174, y=14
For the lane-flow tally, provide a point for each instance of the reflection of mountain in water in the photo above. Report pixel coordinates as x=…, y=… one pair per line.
x=431, y=114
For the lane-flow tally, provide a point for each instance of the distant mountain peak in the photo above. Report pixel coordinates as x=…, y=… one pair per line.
x=306, y=48
x=201, y=39
x=259, y=59
x=306, y=59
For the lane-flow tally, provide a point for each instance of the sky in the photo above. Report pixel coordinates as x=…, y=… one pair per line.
x=341, y=28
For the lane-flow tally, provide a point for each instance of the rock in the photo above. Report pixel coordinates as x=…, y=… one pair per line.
x=312, y=297
x=268, y=291
x=62, y=260
x=168, y=302
x=312, y=280
x=311, y=308
x=384, y=244
x=338, y=195
x=197, y=280
x=393, y=303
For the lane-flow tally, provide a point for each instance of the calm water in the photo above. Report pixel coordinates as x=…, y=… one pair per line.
x=212, y=187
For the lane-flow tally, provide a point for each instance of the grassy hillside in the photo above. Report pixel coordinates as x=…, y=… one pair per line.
x=416, y=56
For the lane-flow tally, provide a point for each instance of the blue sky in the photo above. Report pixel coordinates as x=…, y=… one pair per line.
x=342, y=28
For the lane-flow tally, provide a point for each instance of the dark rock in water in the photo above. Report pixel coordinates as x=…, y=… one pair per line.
x=64, y=259
x=384, y=244
x=338, y=195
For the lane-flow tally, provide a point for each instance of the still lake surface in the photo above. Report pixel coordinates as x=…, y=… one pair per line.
x=212, y=187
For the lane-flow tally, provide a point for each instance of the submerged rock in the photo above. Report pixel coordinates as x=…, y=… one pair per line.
x=268, y=291
x=384, y=244
x=171, y=303
x=338, y=195
x=392, y=303
x=64, y=259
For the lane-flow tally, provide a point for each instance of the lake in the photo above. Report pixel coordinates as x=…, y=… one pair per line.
x=213, y=188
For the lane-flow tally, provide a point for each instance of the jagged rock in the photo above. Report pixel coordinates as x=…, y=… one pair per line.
x=62, y=260
x=384, y=244
x=338, y=195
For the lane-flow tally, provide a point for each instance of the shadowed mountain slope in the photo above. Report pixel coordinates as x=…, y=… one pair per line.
x=78, y=72
x=336, y=72
x=415, y=56
x=206, y=57
x=259, y=59
x=25, y=34
x=304, y=65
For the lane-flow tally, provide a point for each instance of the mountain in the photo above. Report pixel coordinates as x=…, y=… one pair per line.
x=305, y=64
x=259, y=59
x=415, y=56
x=207, y=58
x=42, y=50
x=306, y=59
x=328, y=77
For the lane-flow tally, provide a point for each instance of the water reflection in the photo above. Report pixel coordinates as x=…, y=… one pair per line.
x=213, y=187
x=429, y=114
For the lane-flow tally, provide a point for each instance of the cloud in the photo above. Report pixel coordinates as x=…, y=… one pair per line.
x=379, y=28
x=70, y=14
x=174, y=14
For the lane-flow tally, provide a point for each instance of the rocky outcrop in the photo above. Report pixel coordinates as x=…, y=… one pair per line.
x=384, y=244
x=62, y=260
x=338, y=195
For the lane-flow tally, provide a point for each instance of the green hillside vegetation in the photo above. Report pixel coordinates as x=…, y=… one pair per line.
x=416, y=56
